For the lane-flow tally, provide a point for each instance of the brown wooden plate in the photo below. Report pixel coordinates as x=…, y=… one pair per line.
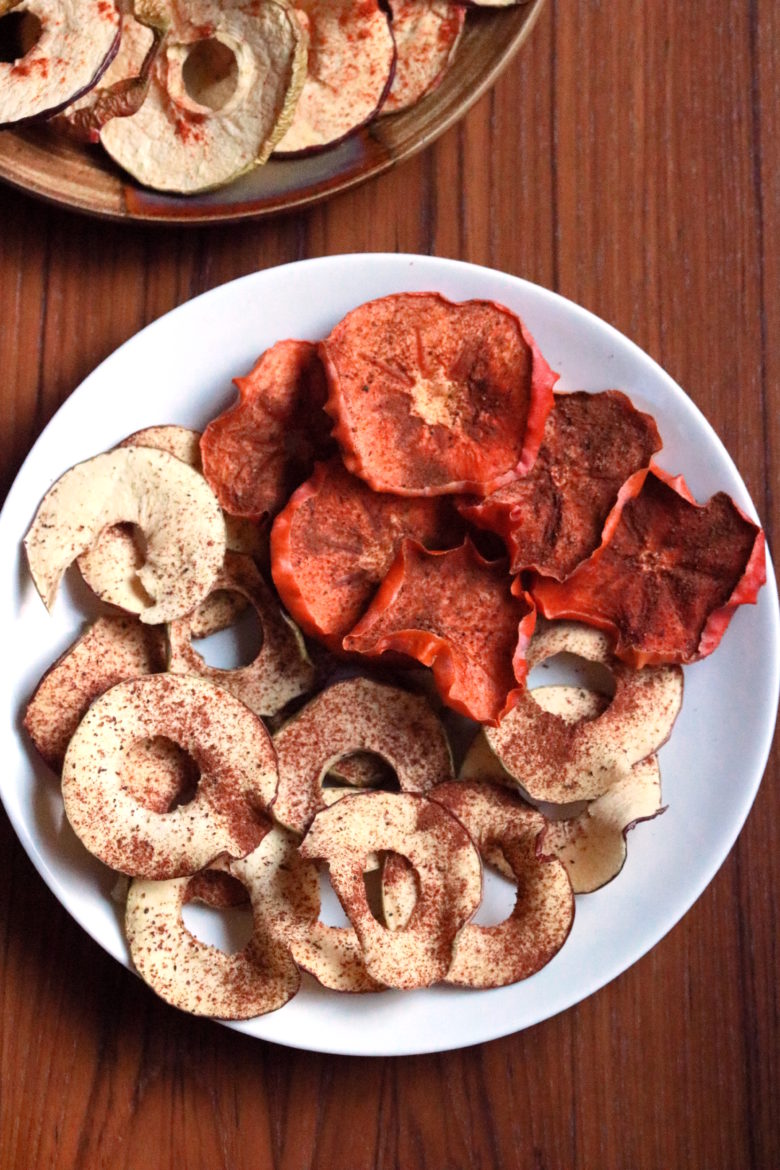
x=45, y=164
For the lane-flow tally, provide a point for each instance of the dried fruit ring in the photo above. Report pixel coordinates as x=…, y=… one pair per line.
x=194, y=976
x=280, y=672
x=229, y=745
x=560, y=761
x=447, y=869
x=356, y=715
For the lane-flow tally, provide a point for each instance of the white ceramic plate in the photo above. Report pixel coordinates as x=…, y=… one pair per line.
x=179, y=370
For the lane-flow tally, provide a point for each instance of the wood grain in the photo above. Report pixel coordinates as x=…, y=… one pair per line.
x=629, y=159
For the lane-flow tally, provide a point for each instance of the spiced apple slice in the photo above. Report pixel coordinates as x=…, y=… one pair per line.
x=426, y=34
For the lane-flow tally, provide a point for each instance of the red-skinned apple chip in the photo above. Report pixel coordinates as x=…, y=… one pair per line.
x=426, y=36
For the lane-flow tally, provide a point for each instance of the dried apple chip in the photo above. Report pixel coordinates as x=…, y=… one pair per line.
x=552, y=518
x=447, y=867
x=668, y=574
x=426, y=34
x=112, y=650
x=172, y=505
x=356, y=715
x=431, y=397
x=336, y=540
x=555, y=759
x=455, y=612
x=281, y=670
x=351, y=63
x=263, y=446
x=197, y=977
x=227, y=741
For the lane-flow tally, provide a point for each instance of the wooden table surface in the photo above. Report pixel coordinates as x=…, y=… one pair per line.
x=628, y=159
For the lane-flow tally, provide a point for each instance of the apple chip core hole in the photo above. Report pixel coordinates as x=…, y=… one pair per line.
x=19, y=32
x=572, y=670
x=331, y=911
x=160, y=774
x=234, y=647
x=498, y=899
x=228, y=928
x=210, y=73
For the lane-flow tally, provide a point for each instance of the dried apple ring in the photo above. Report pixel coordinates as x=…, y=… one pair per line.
x=227, y=741
x=112, y=650
x=555, y=760
x=172, y=505
x=426, y=34
x=430, y=397
x=446, y=865
x=285, y=888
x=282, y=669
x=197, y=977
x=537, y=928
x=356, y=715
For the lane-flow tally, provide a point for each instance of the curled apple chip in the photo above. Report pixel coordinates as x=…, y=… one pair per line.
x=447, y=868
x=494, y=956
x=455, y=612
x=228, y=743
x=356, y=715
x=335, y=541
x=197, y=977
x=112, y=650
x=63, y=50
x=552, y=517
x=222, y=93
x=351, y=62
x=285, y=888
x=426, y=34
x=431, y=397
x=555, y=759
x=170, y=503
x=281, y=670
x=668, y=575
x=261, y=448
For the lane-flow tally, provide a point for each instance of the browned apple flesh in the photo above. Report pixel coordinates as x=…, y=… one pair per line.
x=426, y=34
x=197, y=977
x=356, y=715
x=446, y=864
x=281, y=670
x=173, y=506
x=560, y=761
x=112, y=650
x=351, y=61
x=227, y=741
x=64, y=46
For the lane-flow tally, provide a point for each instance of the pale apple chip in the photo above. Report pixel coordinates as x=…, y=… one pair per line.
x=63, y=50
x=285, y=888
x=170, y=503
x=112, y=650
x=446, y=864
x=356, y=715
x=426, y=34
x=282, y=669
x=197, y=977
x=555, y=760
x=230, y=746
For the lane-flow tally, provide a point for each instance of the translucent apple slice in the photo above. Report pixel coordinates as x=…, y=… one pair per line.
x=426, y=34
x=63, y=48
x=222, y=94
x=228, y=743
x=351, y=63
x=447, y=868
x=281, y=670
x=356, y=715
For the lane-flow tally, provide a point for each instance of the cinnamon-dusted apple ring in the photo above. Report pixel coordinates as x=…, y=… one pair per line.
x=113, y=649
x=282, y=669
x=559, y=761
x=227, y=741
x=170, y=503
x=446, y=865
x=197, y=977
x=285, y=888
x=493, y=956
x=356, y=715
